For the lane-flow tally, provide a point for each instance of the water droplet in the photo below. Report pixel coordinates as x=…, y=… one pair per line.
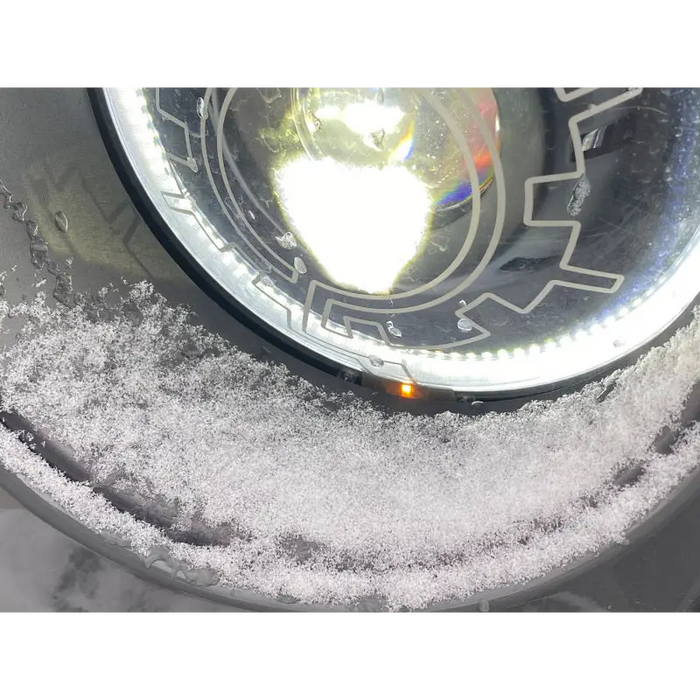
x=300, y=266
x=287, y=240
x=393, y=330
x=38, y=251
x=378, y=138
x=251, y=215
x=379, y=97
x=20, y=210
x=376, y=361
x=484, y=606
x=63, y=292
x=618, y=343
x=61, y=221
x=200, y=107
x=462, y=302
x=192, y=163
x=477, y=403
x=315, y=123
x=32, y=227
x=465, y=325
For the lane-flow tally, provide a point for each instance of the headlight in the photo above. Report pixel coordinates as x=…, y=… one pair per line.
x=467, y=240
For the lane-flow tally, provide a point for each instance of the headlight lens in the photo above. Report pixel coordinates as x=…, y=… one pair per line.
x=466, y=239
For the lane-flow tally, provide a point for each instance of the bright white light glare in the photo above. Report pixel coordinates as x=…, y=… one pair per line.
x=363, y=117
x=362, y=224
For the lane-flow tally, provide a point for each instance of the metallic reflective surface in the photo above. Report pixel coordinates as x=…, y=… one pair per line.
x=471, y=240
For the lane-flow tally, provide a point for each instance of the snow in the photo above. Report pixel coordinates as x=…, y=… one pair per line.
x=324, y=499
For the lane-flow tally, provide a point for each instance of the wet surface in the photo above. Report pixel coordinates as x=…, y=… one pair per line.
x=41, y=570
